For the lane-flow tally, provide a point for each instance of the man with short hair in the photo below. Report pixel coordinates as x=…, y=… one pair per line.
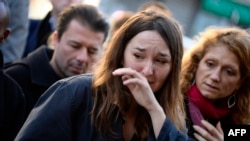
x=77, y=45
x=40, y=29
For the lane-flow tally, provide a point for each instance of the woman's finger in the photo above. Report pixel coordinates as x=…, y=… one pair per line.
x=198, y=137
x=203, y=133
x=213, y=131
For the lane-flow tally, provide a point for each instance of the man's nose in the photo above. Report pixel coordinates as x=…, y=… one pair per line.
x=82, y=55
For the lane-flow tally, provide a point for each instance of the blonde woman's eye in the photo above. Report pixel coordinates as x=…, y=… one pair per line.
x=229, y=72
x=209, y=64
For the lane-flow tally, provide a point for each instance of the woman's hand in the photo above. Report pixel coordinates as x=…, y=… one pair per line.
x=210, y=133
x=143, y=94
x=138, y=86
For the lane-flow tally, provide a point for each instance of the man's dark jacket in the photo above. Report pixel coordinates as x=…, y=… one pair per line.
x=34, y=74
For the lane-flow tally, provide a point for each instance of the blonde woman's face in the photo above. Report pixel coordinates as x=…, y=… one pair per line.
x=148, y=54
x=218, y=74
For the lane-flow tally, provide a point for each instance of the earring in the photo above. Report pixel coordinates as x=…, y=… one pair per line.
x=193, y=82
x=231, y=101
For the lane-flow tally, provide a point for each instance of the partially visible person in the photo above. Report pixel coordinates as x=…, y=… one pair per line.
x=77, y=44
x=215, y=79
x=162, y=7
x=156, y=6
x=12, y=100
x=117, y=19
x=248, y=30
x=40, y=30
x=14, y=45
x=133, y=94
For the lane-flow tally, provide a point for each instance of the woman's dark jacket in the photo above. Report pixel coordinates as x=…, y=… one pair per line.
x=63, y=114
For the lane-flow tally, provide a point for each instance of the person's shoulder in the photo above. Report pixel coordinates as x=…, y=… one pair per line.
x=82, y=80
x=18, y=67
x=10, y=87
x=77, y=78
x=76, y=88
x=19, y=71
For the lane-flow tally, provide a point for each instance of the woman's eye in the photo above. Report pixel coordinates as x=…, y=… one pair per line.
x=229, y=72
x=162, y=61
x=209, y=64
x=137, y=56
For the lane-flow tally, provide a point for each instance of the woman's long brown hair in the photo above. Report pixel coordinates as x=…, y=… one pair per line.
x=108, y=91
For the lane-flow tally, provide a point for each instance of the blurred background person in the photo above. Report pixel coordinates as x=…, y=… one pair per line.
x=14, y=45
x=116, y=20
x=12, y=101
x=155, y=6
x=161, y=7
x=215, y=79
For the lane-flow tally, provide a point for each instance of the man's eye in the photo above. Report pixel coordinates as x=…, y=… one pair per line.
x=74, y=46
x=92, y=51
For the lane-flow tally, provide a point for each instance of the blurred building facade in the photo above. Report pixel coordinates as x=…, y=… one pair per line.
x=193, y=15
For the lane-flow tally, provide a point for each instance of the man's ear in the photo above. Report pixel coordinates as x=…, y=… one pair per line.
x=54, y=39
x=6, y=33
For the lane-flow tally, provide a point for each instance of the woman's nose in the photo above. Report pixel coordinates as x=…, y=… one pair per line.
x=215, y=75
x=148, y=68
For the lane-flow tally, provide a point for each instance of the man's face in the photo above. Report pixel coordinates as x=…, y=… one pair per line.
x=77, y=50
